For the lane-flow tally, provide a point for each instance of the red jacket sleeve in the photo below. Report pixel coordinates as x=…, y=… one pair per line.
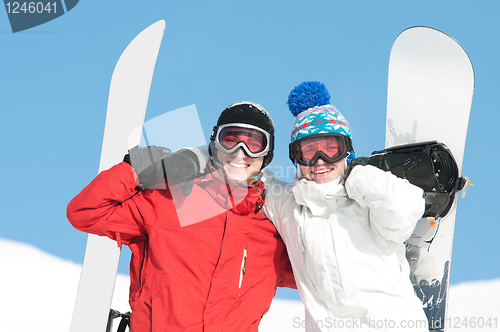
x=286, y=278
x=106, y=208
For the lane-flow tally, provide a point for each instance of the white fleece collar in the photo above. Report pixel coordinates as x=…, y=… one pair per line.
x=321, y=199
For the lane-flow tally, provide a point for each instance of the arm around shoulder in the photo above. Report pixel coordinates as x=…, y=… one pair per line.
x=279, y=198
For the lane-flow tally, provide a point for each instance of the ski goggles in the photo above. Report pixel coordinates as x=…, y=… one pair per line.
x=253, y=140
x=329, y=147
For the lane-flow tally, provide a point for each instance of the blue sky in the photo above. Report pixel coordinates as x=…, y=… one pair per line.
x=55, y=81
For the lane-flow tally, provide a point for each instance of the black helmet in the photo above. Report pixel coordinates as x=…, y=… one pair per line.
x=247, y=113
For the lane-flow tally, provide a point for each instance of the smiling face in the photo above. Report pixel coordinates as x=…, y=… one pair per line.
x=239, y=166
x=323, y=172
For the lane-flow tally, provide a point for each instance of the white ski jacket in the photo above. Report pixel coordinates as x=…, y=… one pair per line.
x=346, y=247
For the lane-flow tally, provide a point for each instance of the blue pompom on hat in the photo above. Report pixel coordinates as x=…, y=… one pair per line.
x=309, y=103
x=307, y=95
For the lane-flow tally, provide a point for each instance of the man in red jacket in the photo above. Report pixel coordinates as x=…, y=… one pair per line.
x=204, y=257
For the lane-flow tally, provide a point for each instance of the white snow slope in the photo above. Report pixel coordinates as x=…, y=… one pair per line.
x=38, y=290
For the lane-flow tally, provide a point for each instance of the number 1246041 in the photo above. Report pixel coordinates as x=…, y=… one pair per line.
x=30, y=7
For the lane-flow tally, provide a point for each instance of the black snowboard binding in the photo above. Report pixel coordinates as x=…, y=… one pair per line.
x=428, y=165
x=124, y=322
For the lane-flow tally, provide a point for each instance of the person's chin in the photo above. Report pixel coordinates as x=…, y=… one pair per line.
x=238, y=174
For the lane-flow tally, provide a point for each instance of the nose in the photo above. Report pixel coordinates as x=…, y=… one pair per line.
x=240, y=153
x=320, y=161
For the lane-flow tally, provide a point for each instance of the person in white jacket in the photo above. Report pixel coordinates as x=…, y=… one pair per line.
x=344, y=231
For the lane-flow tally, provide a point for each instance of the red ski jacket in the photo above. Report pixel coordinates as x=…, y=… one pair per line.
x=198, y=263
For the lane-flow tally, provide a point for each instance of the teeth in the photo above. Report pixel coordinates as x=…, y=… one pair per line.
x=238, y=165
x=321, y=171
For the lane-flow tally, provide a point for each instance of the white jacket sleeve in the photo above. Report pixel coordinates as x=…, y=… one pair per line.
x=395, y=205
x=279, y=199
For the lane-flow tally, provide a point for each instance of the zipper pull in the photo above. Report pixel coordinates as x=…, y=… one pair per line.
x=301, y=241
x=243, y=269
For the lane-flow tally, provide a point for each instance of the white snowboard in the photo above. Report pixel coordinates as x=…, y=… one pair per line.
x=431, y=83
x=128, y=98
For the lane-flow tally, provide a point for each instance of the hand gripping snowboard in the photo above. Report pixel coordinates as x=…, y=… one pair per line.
x=431, y=82
x=128, y=98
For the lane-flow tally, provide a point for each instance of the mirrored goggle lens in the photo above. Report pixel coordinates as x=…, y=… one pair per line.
x=331, y=146
x=254, y=140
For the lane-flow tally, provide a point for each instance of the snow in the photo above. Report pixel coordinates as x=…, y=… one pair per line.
x=38, y=292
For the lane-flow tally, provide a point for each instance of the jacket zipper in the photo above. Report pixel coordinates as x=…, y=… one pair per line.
x=243, y=269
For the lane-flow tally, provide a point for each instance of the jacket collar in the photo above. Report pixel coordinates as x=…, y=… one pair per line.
x=239, y=199
x=321, y=199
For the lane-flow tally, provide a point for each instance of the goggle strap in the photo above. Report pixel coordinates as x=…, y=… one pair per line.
x=214, y=132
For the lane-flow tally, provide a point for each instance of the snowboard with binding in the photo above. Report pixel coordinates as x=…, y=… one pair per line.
x=128, y=98
x=430, y=88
